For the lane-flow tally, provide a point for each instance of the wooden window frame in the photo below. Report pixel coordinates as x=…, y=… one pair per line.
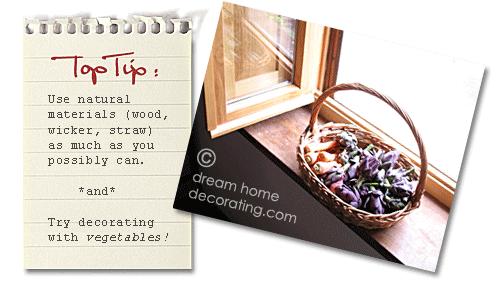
x=223, y=118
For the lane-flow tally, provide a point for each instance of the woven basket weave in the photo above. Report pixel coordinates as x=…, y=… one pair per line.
x=336, y=205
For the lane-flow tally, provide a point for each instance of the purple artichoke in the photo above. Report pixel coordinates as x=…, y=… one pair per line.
x=351, y=181
x=333, y=176
x=375, y=202
x=369, y=166
x=363, y=191
x=380, y=176
x=395, y=203
x=348, y=139
x=390, y=159
x=402, y=188
x=395, y=175
x=334, y=185
x=349, y=195
x=352, y=171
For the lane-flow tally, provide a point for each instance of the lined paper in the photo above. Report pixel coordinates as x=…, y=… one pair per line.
x=103, y=152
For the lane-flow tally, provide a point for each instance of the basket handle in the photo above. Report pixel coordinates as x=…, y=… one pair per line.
x=357, y=86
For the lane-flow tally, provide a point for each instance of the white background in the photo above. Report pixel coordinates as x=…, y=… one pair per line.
x=230, y=252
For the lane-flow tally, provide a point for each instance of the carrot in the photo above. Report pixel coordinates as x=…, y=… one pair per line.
x=311, y=158
x=323, y=167
x=326, y=157
x=316, y=147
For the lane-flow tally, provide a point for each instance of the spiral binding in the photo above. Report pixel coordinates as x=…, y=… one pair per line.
x=105, y=26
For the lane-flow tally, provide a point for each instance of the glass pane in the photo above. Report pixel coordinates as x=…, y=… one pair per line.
x=259, y=51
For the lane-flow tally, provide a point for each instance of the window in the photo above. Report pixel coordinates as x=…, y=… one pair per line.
x=261, y=65
x=259, y=49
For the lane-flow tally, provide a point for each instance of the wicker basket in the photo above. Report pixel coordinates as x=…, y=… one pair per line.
x=336, y=205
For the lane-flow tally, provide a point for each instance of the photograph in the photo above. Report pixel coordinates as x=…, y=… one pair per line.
x=373, y=131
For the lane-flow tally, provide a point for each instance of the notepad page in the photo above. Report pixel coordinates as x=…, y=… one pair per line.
x=107, y=117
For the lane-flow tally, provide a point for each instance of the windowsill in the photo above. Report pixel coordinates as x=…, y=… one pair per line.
x=415, y=240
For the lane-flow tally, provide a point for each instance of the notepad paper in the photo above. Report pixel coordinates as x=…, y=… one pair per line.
x=107, y=117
